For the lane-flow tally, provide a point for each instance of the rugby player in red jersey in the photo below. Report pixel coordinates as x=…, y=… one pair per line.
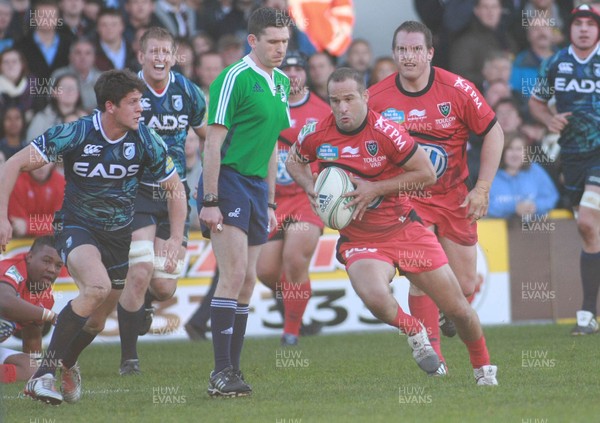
x=283, y=262
x=26, y=302
x=439, y=108
x=386, y=233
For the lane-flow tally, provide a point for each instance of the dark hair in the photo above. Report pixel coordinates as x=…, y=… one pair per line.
x=109, y=11
x=114, y=85
x=342, y=74
x=39, y=3
x=156, y=33
x=414, y=26
x=54, y=101
x=38, y=243
x=82, y=40
x=3, y=118
x=24, y=64
x=265, y=17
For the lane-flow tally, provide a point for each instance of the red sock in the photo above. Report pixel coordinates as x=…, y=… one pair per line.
x=406, y=323
x=295, y=299
x=8, y=373
x=478, y=352
x=424, y=309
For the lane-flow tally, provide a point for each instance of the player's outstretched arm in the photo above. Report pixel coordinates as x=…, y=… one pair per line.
x=177, y=206
x=25, y=160
x=299, y=170
x=16, y=309
x=418, y=174
x=478, y=199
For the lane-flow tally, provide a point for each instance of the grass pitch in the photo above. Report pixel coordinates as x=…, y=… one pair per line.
x=544, y=374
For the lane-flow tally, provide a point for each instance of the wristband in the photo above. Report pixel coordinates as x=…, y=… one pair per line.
x=47, y=315
x=272, y=206
x=214, y=203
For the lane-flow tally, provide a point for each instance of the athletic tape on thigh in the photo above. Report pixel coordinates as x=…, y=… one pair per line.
x=141, y=252
x=159, y=269
x=590, y=199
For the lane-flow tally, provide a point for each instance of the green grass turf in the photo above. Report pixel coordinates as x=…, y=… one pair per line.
x=544, y=374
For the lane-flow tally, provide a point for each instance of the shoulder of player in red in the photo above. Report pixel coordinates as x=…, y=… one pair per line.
x=390, y=82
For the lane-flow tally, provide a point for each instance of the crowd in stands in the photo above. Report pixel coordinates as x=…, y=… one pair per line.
x=52, y=53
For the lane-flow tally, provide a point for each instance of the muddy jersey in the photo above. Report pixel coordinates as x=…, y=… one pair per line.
x=439, y=117
x=311, y=109
x=374, y=151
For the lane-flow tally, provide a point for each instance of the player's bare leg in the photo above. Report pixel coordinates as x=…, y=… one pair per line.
x=300, y=242
x=370, y=279
x=442, y=286
x=90, y=276
x=588, y=225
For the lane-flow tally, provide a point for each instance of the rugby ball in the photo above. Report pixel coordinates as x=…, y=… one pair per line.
x=331, y=184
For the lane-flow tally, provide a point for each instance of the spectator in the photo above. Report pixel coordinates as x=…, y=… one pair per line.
x=82, y=63
x=17, y=87
x=35, y=198
x=507, y=114
x=136, y=44
x=298, y=39
x=320, y=66
x=184, y=57
x=359, y=57
x=45, y=48
x=6, y=13
x=483, y=35
x=384, y=66
x=548, y=13
x=223, y=17
x=208, y=66
x=202, y=43
x=91, y=9
x=496, y=67
x=230, y=48
x=328, y=24
x=525, y=66
x=520, y=187
x=140, y=14
x=112, y=51
x=177, y=17
x=497, y=91
x=21, y=19
x=65, y=100
x=13, y=130
x=73, y=20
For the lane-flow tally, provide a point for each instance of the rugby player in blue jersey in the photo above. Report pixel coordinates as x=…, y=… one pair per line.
x=104, y=157
x=572, y=76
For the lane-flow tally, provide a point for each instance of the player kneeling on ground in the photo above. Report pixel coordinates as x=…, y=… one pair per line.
x=386, y=232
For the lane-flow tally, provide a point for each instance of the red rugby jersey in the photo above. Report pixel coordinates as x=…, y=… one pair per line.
x=310, y=109
x=439, y=118
x=14, y=272
x=374, y=151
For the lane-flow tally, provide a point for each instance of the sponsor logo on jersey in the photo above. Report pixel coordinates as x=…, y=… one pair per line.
x=257, y=88
x=352, y=251
x=416, y=114
x=372, y=147
x=394, y=115
x=580, y=86
x=327, y=152
x=167, y=122
x=376, y=161
x=307, y=129
x=445, y=108
x=350, y=152
x=391, y=130
x=111, y=171
x=438, y=157
x=464, y=85
x=177, y=102
x=146, y=104
x=565, y=67
x=14, y=274
x=92, y=150
x=129, y=150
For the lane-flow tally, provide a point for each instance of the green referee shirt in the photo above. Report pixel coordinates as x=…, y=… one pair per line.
x=253, y=106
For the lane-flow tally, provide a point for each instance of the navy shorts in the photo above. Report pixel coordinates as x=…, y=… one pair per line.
x=113, y=247
x=151, y=208
x=243, y=203
x=580, y=170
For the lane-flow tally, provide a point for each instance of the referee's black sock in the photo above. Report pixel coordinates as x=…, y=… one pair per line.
x=68, y=325
x=590, y=279
x=129, y=328
x=81, y=341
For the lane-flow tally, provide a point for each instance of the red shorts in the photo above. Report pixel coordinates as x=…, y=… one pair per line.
x=292, y=209
x=450, y=220
x=414, y=249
